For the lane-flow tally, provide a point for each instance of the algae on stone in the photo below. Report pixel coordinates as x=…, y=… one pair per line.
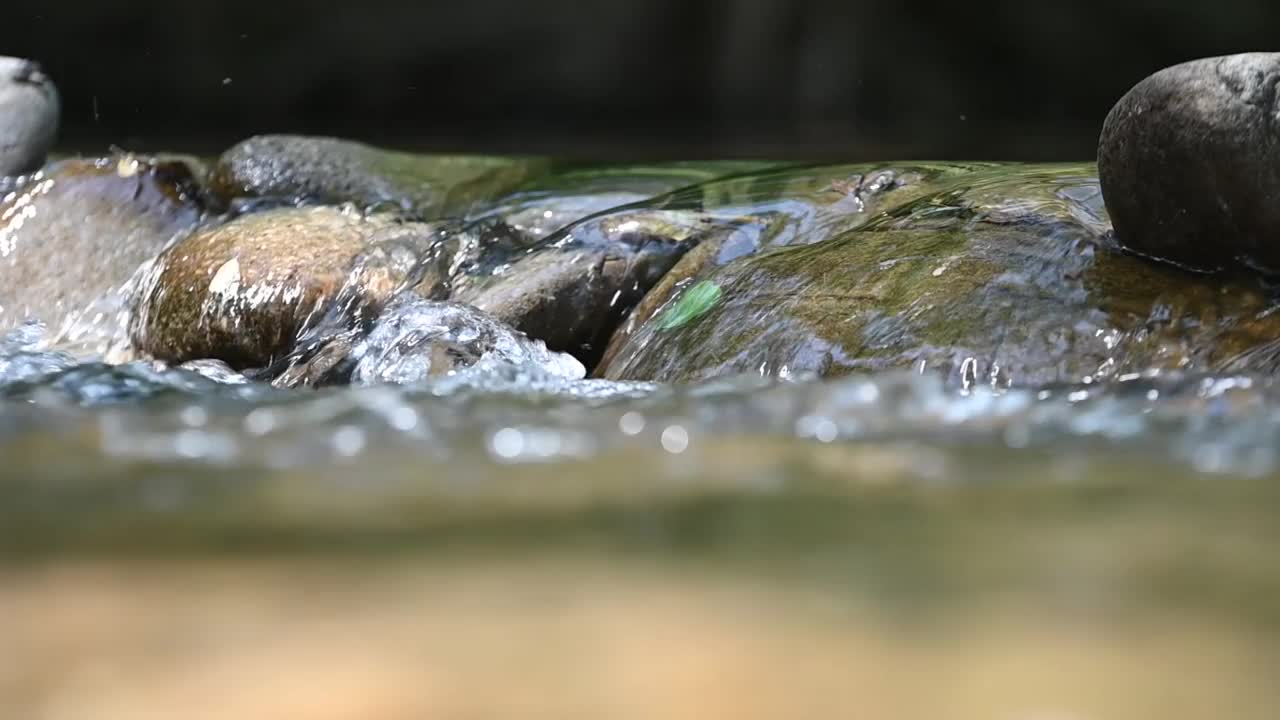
x=989, y=276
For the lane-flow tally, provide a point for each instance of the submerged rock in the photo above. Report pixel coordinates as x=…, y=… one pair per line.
x=74, y=233
x=333, y=171
x=1000, y=277
x=1190, y=163
x=568, y=290
x=572, y=289
x=243, y=292
x=416, y=340
x=29, y=111
x=550, y=202
x=777, y=209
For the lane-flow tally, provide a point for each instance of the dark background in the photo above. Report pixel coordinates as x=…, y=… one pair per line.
x=638, y=78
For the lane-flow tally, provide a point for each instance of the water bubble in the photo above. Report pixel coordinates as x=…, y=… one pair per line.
x=675, y=439
x=631, y=423
x=348, y=440
x=403, y=418
x=260, y=421
x=507, y=443
x=822, y=429
x=194, y=416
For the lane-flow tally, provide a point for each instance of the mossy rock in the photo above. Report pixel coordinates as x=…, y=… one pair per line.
x=995, y=279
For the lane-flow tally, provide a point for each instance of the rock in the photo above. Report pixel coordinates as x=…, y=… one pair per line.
x=1006, y=277
x=332, y=171
x=29, y=109
x=785, y=207
x=1190, y=163
x=567, y=290
x=73, y=234
x=550, y=202
x=244, y=291
x=572, y=289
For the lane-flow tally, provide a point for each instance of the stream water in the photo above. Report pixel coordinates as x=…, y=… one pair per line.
x=999, y=513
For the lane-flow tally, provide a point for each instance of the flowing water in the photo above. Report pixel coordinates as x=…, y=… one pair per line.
x=509, y=540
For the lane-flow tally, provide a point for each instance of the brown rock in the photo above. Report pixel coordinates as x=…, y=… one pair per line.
x=73, y=234
x=242, y=292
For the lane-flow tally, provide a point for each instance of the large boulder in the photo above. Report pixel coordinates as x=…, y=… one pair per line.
x=743, y=215
x=1009, y=276
x=1190, y=163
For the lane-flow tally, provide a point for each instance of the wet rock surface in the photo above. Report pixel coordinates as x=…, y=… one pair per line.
x=292, y=291
x=552, y=201
x=29, y=114
x=1190, y=163
x=72, y=235
x=333, y=171
x=243, y=292
x=986, y=274
x=983, y=281
x=773, y=209
x=572, y=289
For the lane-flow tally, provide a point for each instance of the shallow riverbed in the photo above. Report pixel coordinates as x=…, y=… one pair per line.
x=892, y=542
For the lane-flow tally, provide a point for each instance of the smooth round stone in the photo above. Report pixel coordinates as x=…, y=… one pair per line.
x=74, y=233
x=242, y=292
x=1189, y=162
x=29, y=109
x=331, y=171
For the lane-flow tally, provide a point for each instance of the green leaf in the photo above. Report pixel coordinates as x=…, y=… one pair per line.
x=696, y=301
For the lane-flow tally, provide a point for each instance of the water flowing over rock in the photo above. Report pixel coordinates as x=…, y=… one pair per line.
x=572, y=288
x=415, y=340
x=333, y=171
x=985, y=278
x=550, y=202
x=1190, y=163
x=244, y=291
x=72, y=235
x=775, y=209
x=29, y=112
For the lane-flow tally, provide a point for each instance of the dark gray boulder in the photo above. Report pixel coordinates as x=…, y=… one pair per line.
x=1189, y=162
x=331, y=171
x=29, y=110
